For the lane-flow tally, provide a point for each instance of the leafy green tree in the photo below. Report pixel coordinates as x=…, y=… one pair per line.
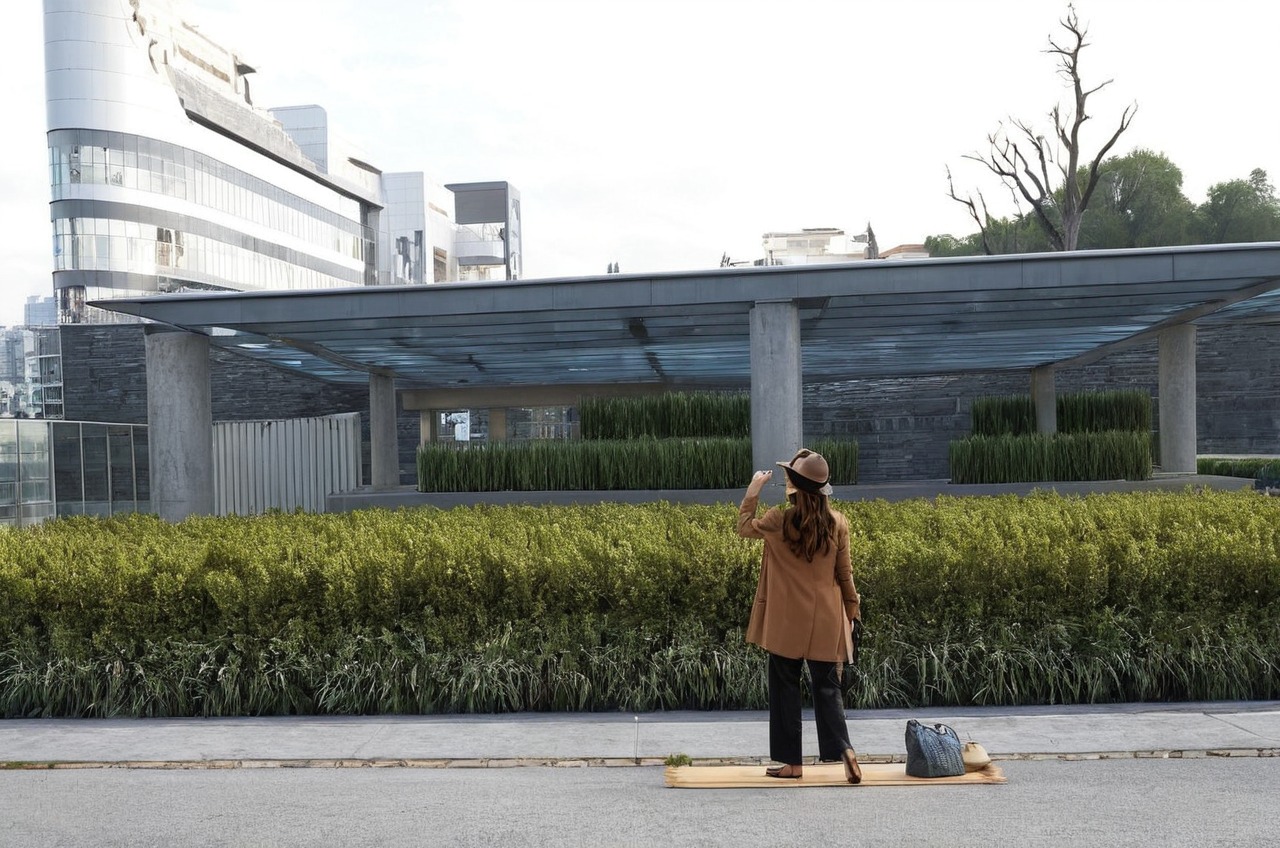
x=948, y=245
x=1240, y=211
x=998, y=236
x=1138, y=203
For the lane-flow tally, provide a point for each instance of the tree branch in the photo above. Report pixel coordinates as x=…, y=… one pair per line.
x=1026, y=171
x=968, y=203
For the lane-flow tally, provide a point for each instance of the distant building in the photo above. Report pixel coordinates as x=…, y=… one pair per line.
x=821, y=245
x=906, y=251
x=812, y=246
x=30, y=372
x=489, y=230
x=12, y=358
x=40, y=312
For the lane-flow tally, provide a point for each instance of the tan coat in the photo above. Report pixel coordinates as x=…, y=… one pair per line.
x=802, y=609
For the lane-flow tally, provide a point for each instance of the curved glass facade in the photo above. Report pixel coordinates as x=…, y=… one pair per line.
x=164, y=176
x=142, y=215
x=94, y=157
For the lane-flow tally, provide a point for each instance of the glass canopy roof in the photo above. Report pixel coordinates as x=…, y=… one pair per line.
x=858, y=320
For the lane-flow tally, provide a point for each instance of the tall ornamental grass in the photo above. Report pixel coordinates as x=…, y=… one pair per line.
x=697, y=440
x=674, y=415
x=581, y=465
x=1113, y=455
x=1004, y=600
x=1002, y=415
x=1101, y=412
x=1255, y=468
x=841, y=456
x=1078, y=412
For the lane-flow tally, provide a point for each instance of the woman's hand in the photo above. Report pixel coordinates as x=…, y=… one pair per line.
x=757, y=483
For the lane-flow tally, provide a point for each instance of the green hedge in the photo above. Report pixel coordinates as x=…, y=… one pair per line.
x=1002, y=415
x=581, y=465
x=1062, y=456
x=675, y=415
x=1079, y=412
x=1255, y=468
x=697, y=440
x=841, y=456
x=1100, y=412
x=1003, y=600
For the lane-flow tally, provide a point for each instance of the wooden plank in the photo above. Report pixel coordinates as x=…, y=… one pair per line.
x=825, y=774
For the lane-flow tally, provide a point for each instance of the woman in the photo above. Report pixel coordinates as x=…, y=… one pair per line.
x=805, y=604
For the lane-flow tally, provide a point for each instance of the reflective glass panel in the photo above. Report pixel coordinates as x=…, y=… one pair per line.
x=68, y=479
x=142, y=468
x=120, y=443
x=33, y=461
x=97, y=491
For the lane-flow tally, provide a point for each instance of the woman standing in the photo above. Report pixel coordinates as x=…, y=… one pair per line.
x=805, y=604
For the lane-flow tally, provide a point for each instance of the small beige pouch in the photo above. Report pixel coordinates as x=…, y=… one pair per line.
x=975, y=757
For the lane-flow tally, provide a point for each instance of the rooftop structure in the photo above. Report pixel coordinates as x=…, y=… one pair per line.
x=772, y=329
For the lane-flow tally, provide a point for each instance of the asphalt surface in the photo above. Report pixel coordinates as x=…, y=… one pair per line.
x=1098, y=803
x=1204, y=774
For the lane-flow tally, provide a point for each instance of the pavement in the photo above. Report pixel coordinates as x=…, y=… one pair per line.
x=1186, y=730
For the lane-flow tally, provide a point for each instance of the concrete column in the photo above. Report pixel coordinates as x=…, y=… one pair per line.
x=1045, y=397
x=497, y=424
x=179, y=423
x=384, y=453
x=777, y=416
x=1178, y=399
x=426, y=426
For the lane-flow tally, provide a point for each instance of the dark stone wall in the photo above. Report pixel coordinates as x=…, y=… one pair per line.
x=903, y=426
x=1238, y=391
x=103, y=373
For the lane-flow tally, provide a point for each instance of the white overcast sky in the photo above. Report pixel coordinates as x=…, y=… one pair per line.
x=662, y=133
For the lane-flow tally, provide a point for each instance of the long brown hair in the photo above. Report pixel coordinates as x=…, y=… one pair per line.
x=808, y=526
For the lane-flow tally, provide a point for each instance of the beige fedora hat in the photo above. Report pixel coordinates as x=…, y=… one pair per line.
x=808, y=472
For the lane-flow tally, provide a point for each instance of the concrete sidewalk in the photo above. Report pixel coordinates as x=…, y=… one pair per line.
x=1250, y=729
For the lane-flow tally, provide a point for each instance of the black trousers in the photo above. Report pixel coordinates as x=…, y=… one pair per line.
x=785, y=723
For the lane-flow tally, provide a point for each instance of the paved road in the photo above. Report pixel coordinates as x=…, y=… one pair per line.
x=1125, y=774
x=1125, y=802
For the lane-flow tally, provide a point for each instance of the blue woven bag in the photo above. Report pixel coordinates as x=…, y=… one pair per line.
x=933, y=751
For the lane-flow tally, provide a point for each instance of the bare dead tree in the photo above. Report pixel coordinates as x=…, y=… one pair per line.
x=1028, y=162
x=983, y=220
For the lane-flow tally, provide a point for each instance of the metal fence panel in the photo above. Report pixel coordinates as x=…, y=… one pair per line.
x=284, y=464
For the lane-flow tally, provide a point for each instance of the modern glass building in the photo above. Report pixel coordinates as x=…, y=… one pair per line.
x=61, y=468
x=166, y=176
x=39, y=312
